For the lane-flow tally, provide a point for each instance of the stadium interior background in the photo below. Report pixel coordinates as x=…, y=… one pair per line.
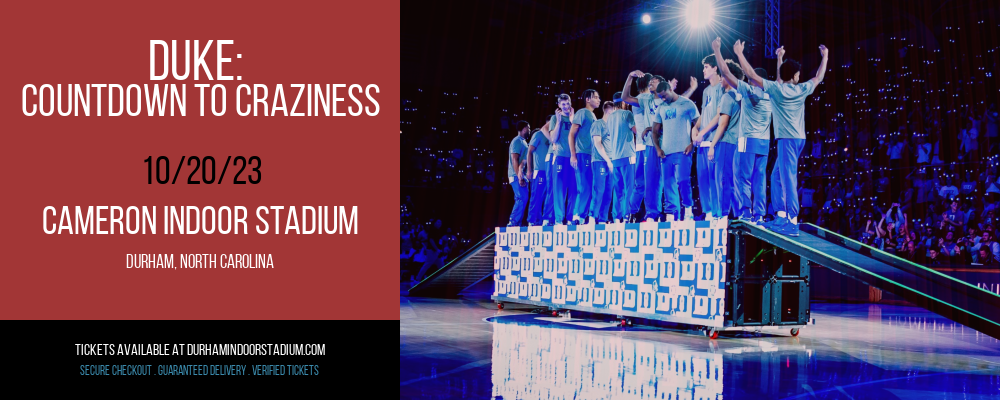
x=910, y=88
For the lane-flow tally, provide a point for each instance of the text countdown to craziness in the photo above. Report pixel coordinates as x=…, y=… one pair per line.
x=171, y=99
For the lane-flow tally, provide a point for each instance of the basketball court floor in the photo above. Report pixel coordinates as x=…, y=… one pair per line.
x=467, y=348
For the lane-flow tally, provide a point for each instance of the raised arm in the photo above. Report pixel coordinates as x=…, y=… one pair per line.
x=752, y=76
x=724, y=71
x=821, y=72
x=687, y=93
x=694, y=85
x=627, y=90
x=780, y=52
x=559, y=131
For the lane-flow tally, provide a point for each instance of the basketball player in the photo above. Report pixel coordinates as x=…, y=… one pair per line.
x=788, y=100
x=540, y=203
x=602, y=166
x=673, y=118
x=649, y=162
x=562, y=174
x=623, y=132
x=515, y=173
x=723, y=146
x=580, y=148
x=754, y=142
x=705, y=128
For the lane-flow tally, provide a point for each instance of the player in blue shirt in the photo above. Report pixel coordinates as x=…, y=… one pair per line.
x=671, y=130
x=754, y=142
x=647, y=176
x=684, y=169
x=562, y=173
x=701, y=133
x=622, y=131
x=515, y=173
x=602, y=166
x=580, y=148
x=649, y=120
x=788, y=102
x=724, y=145
x=540, y=204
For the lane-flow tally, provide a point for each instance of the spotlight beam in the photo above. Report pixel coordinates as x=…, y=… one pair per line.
x=699, y=13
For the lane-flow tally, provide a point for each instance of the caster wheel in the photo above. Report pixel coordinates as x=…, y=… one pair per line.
x=499, y=306
x=712, y=334
x=795, y=332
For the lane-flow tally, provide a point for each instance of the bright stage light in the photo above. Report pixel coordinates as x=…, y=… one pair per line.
x=646, y=18
x=699, y=13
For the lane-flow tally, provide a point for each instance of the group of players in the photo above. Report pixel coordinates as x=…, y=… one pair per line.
x=580, y=168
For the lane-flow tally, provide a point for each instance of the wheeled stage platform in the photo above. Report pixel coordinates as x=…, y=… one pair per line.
x=717, y=275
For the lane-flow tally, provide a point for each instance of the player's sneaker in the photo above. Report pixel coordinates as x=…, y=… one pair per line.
x=776, y=222
x=745, y=216
x=787, y=229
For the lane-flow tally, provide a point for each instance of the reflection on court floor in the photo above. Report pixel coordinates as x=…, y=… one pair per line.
x=534, y=361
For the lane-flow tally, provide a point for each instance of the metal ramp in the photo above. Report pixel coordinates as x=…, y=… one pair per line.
x=466, y=270
x=954, y=299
